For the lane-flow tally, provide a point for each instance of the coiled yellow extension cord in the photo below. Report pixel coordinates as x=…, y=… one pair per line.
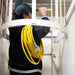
x=28, y=42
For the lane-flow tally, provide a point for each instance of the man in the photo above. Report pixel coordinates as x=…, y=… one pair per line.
x=18, y=62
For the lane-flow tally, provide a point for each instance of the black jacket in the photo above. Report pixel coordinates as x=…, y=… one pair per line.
x=17, y=59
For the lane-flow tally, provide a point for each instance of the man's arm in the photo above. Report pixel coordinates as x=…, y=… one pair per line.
x=41, y=31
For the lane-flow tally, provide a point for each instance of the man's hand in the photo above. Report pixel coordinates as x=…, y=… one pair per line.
x=43, y=11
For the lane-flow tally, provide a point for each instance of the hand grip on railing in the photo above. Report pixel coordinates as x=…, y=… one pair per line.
x=47, y=9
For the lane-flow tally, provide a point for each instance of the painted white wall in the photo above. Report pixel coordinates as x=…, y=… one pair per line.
x=1, y=56
x=68, y=66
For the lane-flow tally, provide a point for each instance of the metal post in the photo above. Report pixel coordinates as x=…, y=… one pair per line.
x=56, y=11
x=51, y=10
x=6, y=10
x=10, y=9
x=51, y=54
x=60, y=11
x=33, y=10
x=64, y=9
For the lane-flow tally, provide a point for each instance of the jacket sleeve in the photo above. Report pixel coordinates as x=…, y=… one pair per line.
x=41, y=31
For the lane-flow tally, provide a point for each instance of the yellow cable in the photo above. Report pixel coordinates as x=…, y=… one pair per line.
x=28, y=42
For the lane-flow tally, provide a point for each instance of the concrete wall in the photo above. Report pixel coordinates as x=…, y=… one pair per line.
x=68, y=64
x=4, y=46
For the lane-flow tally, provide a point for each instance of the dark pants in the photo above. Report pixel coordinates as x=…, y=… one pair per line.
x=14, y=73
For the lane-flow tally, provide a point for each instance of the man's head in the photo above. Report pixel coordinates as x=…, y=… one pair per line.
x=23, y=11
